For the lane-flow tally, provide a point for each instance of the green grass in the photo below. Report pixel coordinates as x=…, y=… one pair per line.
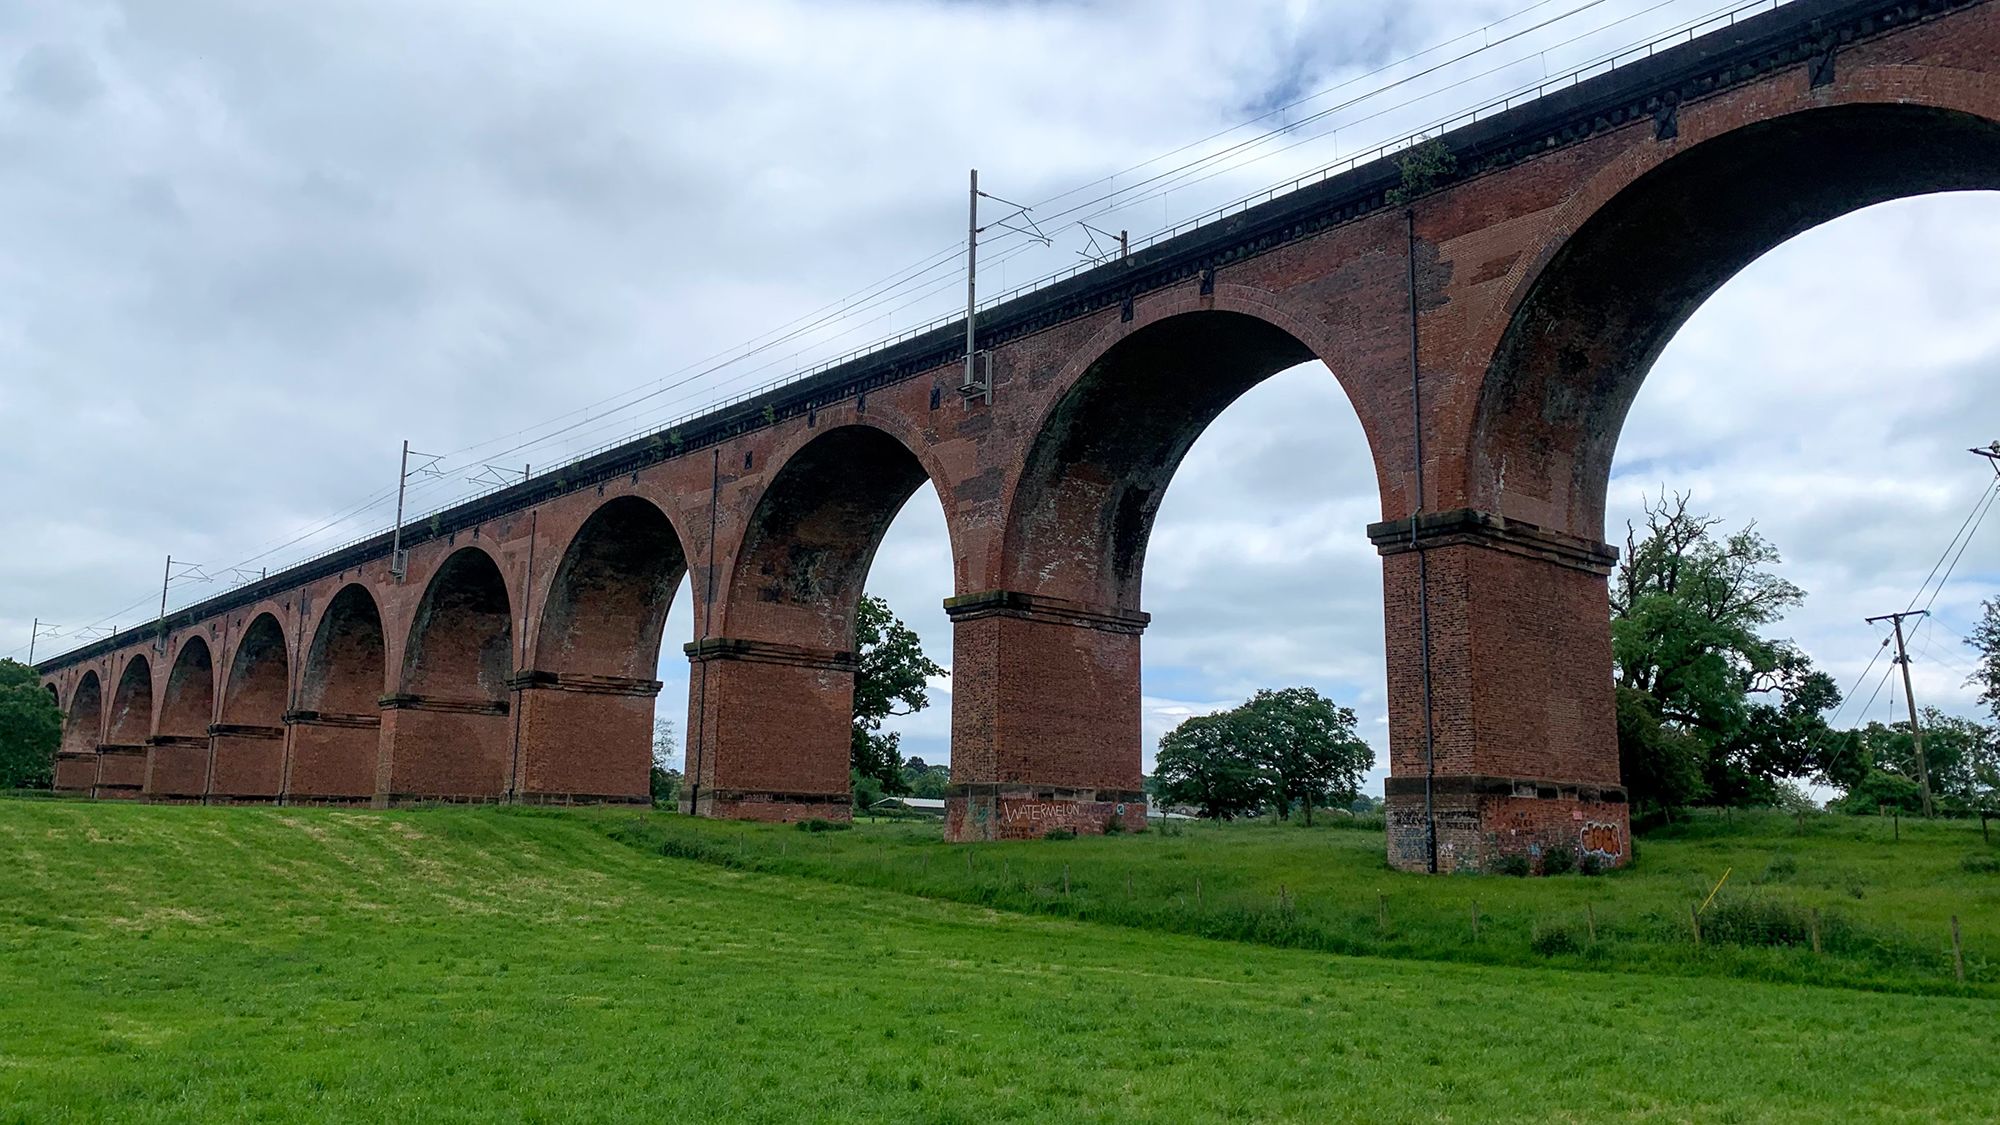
x=278, y=964
x=1884, y=904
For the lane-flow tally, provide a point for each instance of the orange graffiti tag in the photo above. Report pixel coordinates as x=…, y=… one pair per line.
x=1602, y=839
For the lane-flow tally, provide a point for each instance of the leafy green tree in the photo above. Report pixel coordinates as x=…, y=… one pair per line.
x=1985, y=640
x=1878, y=789
x=891, y=680
x=1307, y=745
x=1205, y=762
x=1661, y=763
x=1962, y=756
x=30, y=728
x=1283, y=748
x=920, y=779
x=1688, y=608
x=666, y=764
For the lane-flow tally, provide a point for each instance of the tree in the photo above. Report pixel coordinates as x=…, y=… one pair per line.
x=1281, y=748
x=890, y=680
x=1658, y=761
x=1687, y=610
x=1206, y=763
x=921, y=779
x=666, y=764
x=30, y=728
x=1307, y=746
x=1877, y=790
x=1985, y=640
x=1961, y=755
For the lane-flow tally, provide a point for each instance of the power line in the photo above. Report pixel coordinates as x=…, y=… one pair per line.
x=882, y=290
x=1972, y=519
x=1991, y=494
x=873, y=295
x=898, y=282
x=1858, y=681
x=1960, y=540
x=1886, y=674
x=1167, y=188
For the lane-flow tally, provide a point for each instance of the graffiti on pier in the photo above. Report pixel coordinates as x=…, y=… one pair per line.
x=1606, y=841
x=1048, y=814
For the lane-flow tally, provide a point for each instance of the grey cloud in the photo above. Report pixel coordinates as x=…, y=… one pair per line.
x=57, y=76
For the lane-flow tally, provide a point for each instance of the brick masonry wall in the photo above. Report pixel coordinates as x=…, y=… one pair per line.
x=443, y=755
x=584, y=746
x=121, y=772
x=177, y=770
x=774, y=741
x=75, y=773
x=1474, y=832
x=331, y=764
x=249, y=768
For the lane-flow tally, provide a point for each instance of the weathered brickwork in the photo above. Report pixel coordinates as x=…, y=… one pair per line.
x=512, y=654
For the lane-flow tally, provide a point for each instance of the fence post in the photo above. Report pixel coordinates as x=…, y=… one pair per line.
x=1590, y=919
x=1475, y=921
x=1382, y=913
x=1814, y=916
x=1957, y=952
x=1065, y=880
x=1694, y=915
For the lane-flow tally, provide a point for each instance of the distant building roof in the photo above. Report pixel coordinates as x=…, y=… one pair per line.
x=915, y=804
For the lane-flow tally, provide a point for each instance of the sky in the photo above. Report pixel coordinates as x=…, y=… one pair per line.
x=252, y=248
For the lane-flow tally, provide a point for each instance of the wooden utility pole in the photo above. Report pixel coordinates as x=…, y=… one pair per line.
x=1916, y=732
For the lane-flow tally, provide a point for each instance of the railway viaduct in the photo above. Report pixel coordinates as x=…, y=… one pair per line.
x=1490, y=325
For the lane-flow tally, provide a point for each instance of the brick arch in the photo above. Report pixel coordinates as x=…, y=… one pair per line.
x=586, y=700
x=607, y=604
x=84, y=719
x=259, y=685
x=345, y=668
x=447, y=734
x=131, y=720
x=1097, y=470
x=771, y=703
x=1648, y=240
x=806, y=550
x=461, y=637
x=188, y=705
x=336, y=728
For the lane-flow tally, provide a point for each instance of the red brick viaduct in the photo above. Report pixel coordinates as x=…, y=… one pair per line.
x=1490, y=332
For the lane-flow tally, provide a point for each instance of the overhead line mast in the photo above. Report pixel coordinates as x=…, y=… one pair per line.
x=1909, y=696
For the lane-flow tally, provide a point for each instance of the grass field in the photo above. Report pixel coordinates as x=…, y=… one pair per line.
x=1884, y=894
x=162, y=963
